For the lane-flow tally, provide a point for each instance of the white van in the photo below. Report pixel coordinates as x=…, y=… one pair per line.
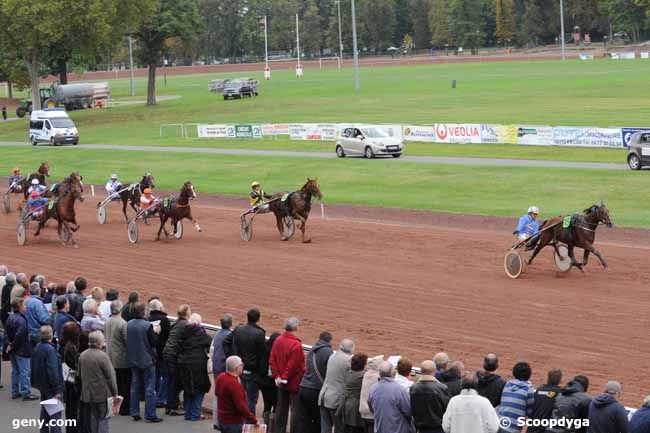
x=52, y=126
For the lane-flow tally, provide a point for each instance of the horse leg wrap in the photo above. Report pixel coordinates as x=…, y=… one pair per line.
x=198, y=227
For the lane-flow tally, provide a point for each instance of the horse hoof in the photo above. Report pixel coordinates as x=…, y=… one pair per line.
x=308, y=241
x=284, y=239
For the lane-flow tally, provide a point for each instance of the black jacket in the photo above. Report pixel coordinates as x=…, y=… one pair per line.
x=572, y=403
x=322, y=350
x=165, y=326
x=247, y=342
x=490, y=386
x=606, y=415
x=171, y=350
x=46, y=371
x=18, y=335
x=545, y=397
x=75, y=302
x=194, y=345
x=429, y=401
x=451, y=378
x=5, y=303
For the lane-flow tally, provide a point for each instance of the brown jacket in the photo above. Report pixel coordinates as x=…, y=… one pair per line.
x=97, y=376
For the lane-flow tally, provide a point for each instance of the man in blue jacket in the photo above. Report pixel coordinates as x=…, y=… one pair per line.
x=219, y=360
x=528, y=225
x=35, y=313
x=606, y=414
x=640, y=422
x=47, y=376
x=20, y=351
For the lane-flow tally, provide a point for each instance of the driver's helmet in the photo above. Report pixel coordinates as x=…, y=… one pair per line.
x=533, y=210
x=255, y=184
x=15, y=170
x=147, y=191
x=35, y=182
x=113, y=176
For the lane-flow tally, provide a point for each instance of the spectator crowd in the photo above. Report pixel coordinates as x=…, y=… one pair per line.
x=86, y=348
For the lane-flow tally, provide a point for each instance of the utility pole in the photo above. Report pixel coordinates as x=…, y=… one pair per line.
x=562, y=28
x=338, y=6
x=131, y=73
x=354, y=47
x=266, y=43
x=297, y=39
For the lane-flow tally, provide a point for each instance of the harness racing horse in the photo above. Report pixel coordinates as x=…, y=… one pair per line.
x=177, y=209
x=62, y=209
x=296, y=205
x=55, y=189
x=581, y=233
x=42, y=172
x=131, y=195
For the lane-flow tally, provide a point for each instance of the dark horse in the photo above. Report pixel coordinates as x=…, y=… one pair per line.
x=42, y=172
x=581, y=234
x=297, y=205
x=177, y=209
x=62, y=208
x=131, y=195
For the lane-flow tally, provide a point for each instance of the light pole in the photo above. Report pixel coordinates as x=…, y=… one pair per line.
x=338, y=6
x=354, y=48
x=562, y=27
x=266, y=44
x=297, y=39
x=131, y=73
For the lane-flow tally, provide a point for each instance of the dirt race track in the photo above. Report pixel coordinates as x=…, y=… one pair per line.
x=413, y=284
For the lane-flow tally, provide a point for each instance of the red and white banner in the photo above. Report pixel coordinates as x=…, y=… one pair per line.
x=458, y=133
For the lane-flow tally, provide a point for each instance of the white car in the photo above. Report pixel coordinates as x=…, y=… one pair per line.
x=368, y=142
x=52, y=126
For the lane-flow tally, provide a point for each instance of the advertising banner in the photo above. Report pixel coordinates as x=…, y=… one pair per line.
x=506, y=134
x=275, y=129
x=419, y=133
x=593, y=137
x=458, y=133
x=535, y=135
x=248, y=131
x=215, y=131
x=626, y=134
x=313, y=131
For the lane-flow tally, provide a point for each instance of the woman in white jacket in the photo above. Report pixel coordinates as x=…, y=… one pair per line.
x=470, y=412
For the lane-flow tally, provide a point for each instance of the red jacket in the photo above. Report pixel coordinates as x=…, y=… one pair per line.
x=287, y=360
x=232, y=408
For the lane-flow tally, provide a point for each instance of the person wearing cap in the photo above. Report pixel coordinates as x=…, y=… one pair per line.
x=36, y=204
x=113, y=185
x=36, y=186
x=528, y=225
x=606, y=413
x=257, y=197
x=148, y=201
x=15, y=179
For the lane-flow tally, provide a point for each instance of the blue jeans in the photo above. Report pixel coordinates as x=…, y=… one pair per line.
x=2, y=346
x=20, y=375
x=146, y=376
x=249, y=382
x=192, y=406
x=231, y=428
x=161, y=382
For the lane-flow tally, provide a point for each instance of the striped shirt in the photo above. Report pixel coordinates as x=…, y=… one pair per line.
x=517, y=401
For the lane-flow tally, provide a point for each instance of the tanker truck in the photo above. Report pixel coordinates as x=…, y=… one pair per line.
x=69, y=96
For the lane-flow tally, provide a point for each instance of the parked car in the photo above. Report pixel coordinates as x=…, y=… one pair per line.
x=369, y=142
x=638, y=154
x=239, y=88
x=218, y=85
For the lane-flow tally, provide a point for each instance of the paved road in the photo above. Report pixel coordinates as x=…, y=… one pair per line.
x=291, y=154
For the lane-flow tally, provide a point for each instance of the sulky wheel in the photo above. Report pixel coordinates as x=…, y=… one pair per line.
x=562, y=261
x=101, y=215
x=179, y=230
x=288, y=227
x=246, y=229
x=6, y=202
x=132, y=231
x=513, y=264
x=21, y=233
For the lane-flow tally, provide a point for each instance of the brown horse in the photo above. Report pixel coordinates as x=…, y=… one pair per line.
x=62, y=209
x=581, y=234
x=177, y=209
x=42, y=172
x=55, y=189
x=296, y=205
x=131, y=195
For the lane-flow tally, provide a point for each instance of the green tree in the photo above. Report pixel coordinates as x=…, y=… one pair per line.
x=332, y=39
x=420, y=11
x=465, y=22
x=377, y=21
x=626, y=15
x=310, y=36
x=282, y=31
x=505, y=21
x=172, y=19
x=13, y=71
x=403, y=21
x=439, y=19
